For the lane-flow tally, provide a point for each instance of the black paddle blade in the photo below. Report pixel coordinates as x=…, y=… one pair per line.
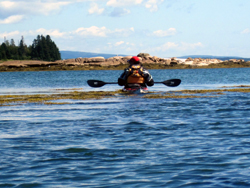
x=172, y=82
x=95, y=83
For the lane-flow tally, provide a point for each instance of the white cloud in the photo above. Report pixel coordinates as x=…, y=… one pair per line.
x=123, y=32
x=122, y=3
x=46, y=8
x=53, y=32
x=7, y=4
x=129, y=43
x=246, y=31
x=92, y=31
x=12, y=8
x=33, y=33
x=125, y=47
x=12, y=19
x=190, y=46
x=179, y=46
x=119, y=43
x=119, y=12
x=102, y=32
x=10, y=34
x=153, y=4
x=94, y=8
x=167, y=46
x=33, y=7
x=161, y=33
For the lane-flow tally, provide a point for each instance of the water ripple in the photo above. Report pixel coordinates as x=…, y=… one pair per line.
x=128, y=142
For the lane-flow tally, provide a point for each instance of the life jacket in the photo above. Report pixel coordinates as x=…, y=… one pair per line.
x=135, y=75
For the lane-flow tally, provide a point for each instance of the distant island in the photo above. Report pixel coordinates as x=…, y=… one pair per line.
x=223, y=58
x=77, y=54
x=44, y=55
x=98, y=61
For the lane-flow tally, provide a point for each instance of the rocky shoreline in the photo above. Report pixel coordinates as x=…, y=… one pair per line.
x=119, y=63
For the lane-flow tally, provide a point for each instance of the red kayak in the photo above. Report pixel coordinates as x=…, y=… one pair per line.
x=136, y=90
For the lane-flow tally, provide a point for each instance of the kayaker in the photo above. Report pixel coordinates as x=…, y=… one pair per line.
x=135, y=76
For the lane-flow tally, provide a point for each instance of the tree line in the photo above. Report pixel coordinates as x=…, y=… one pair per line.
x=42, y=48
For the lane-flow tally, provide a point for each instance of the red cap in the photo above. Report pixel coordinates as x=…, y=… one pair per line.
x=134, y=60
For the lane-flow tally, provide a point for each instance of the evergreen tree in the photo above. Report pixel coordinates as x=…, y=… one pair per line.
x=5, y=53
x=34, y=51
x=13, y=50
x=43, y=48
x=12, y=43
x=23, y=49
x=7, y=43
x=46, y=49
x=0, y=53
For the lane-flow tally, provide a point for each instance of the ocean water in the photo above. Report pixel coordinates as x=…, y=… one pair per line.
x=126, y=141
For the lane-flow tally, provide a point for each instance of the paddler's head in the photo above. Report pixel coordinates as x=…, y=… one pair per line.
x=134, y=60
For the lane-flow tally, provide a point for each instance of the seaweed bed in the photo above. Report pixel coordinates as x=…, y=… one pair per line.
x=59, y=98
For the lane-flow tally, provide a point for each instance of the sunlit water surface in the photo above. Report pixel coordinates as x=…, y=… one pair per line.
x=126, y=141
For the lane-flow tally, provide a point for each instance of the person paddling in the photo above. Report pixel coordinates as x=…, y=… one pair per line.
x=135, y=76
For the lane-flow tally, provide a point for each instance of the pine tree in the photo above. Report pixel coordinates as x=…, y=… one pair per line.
x=13, y=50
x=21, y=49
x=5, y=53
x=46, y=49
x=43, y=48
x=1, y=53
x=34, y=51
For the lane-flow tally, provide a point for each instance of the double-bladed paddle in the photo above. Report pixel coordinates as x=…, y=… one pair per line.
x=98, y=83
x=170, y=83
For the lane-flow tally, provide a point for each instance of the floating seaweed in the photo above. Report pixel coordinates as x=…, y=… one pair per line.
x=51, y=99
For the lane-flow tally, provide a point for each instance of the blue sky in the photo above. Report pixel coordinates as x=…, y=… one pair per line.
x=163, y=28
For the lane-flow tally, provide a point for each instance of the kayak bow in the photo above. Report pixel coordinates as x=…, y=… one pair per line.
x=138, y=90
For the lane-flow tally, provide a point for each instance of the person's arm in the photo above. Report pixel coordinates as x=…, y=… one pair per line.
x=148, y=78
x=123, y=78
